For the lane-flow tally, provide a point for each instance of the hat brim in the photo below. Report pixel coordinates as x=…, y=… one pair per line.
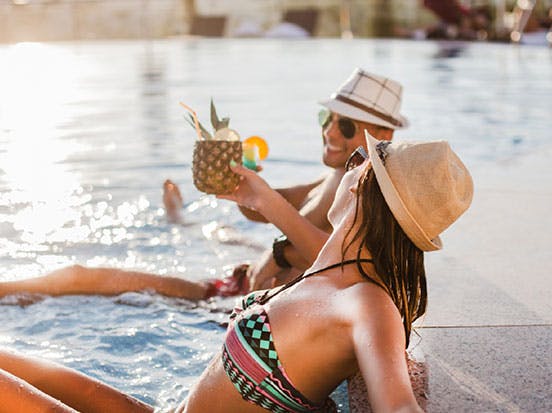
x=352, y=112
x=401, y=213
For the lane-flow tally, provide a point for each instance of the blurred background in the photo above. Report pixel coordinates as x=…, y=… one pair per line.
x=61, y=20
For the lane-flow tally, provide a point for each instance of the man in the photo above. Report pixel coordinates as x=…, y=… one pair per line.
x=364, y=102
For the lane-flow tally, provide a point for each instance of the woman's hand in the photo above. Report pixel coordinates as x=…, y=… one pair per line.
x=254, y=193
x=252, y=190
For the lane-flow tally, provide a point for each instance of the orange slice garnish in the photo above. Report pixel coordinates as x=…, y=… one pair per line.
x=261, y=145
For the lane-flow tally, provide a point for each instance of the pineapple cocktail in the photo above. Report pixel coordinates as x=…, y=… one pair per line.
x=214, y=152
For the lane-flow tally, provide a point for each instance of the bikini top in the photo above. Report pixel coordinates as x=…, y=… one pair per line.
x=251, y=361
x=263, y=299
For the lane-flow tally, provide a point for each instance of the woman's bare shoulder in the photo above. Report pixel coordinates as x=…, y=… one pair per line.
x=368, y=305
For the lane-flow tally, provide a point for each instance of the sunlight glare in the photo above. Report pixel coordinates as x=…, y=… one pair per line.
x=37, y=82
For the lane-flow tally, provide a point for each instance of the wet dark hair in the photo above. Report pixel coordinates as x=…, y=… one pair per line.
x=398, y=262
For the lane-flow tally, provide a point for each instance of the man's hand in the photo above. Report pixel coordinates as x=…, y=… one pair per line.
x=263, y=273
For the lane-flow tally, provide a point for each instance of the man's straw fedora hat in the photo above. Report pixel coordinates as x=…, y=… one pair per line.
x=369, y=98
x=425, y=185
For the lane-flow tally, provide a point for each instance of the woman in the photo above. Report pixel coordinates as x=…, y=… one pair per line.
x=287, y=349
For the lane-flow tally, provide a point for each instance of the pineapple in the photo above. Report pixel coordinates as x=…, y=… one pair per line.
x=212, y=155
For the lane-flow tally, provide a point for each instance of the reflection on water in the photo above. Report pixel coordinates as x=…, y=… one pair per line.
x=90, y=131
x=34, y=91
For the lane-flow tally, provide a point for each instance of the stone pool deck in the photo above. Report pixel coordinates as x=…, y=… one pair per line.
x=487, y=336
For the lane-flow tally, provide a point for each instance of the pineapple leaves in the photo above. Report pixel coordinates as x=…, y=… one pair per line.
x=206, y=135
x=224, y=122
x=215, y=121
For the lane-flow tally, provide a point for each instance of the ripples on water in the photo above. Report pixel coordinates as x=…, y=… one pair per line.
x=89, y=132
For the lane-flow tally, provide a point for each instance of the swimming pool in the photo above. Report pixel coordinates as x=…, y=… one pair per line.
x=89, y=131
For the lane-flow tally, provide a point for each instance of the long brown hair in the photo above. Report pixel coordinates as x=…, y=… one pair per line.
x=398, y=262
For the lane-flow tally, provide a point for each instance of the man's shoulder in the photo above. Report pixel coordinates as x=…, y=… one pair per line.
x=329, y=179
x=332, y=178
x=321, y=195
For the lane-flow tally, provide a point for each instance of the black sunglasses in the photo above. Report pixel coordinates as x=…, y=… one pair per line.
x=346, y=126
x=356, y=158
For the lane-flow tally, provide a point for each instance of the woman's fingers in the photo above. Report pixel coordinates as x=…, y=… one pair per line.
x=228, y=197
x=251, y=188
x=240, y=169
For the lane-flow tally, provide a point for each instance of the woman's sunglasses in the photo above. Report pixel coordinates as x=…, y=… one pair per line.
x=346, y=126
x=356, y=158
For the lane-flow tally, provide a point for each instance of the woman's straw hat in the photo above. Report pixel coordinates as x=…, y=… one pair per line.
x=369, y=98
x=425, y=185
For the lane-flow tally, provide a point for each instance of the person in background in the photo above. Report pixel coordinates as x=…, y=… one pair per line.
x=458, y=21
x=364, y=102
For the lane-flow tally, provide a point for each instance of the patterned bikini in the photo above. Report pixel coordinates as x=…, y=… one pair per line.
x=251, y=361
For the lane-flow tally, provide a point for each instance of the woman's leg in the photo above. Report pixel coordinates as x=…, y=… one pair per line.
x=76, y=280
x=16, y=395
x=47, y=381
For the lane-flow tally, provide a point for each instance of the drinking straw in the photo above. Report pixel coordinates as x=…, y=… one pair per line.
x=189, y=109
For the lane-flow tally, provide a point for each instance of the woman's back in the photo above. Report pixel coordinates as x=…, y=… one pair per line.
x=321, y=313
x=311, y=327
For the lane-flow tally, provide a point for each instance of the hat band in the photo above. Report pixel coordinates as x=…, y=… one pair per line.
x=371, y=111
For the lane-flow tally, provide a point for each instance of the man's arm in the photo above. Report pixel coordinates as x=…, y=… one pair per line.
x=263, y=272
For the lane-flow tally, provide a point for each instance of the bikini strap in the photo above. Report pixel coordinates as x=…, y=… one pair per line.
x=267, y=296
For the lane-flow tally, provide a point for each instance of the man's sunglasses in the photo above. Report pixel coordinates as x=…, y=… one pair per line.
x=346, y=126
x=356, y=158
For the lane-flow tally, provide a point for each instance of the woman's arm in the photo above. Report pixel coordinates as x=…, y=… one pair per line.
x=379, y=344
x=254, y=193
x=356, y=388
x=295, y=195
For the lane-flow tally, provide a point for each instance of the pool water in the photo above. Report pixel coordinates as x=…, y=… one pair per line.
x=89, y=132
